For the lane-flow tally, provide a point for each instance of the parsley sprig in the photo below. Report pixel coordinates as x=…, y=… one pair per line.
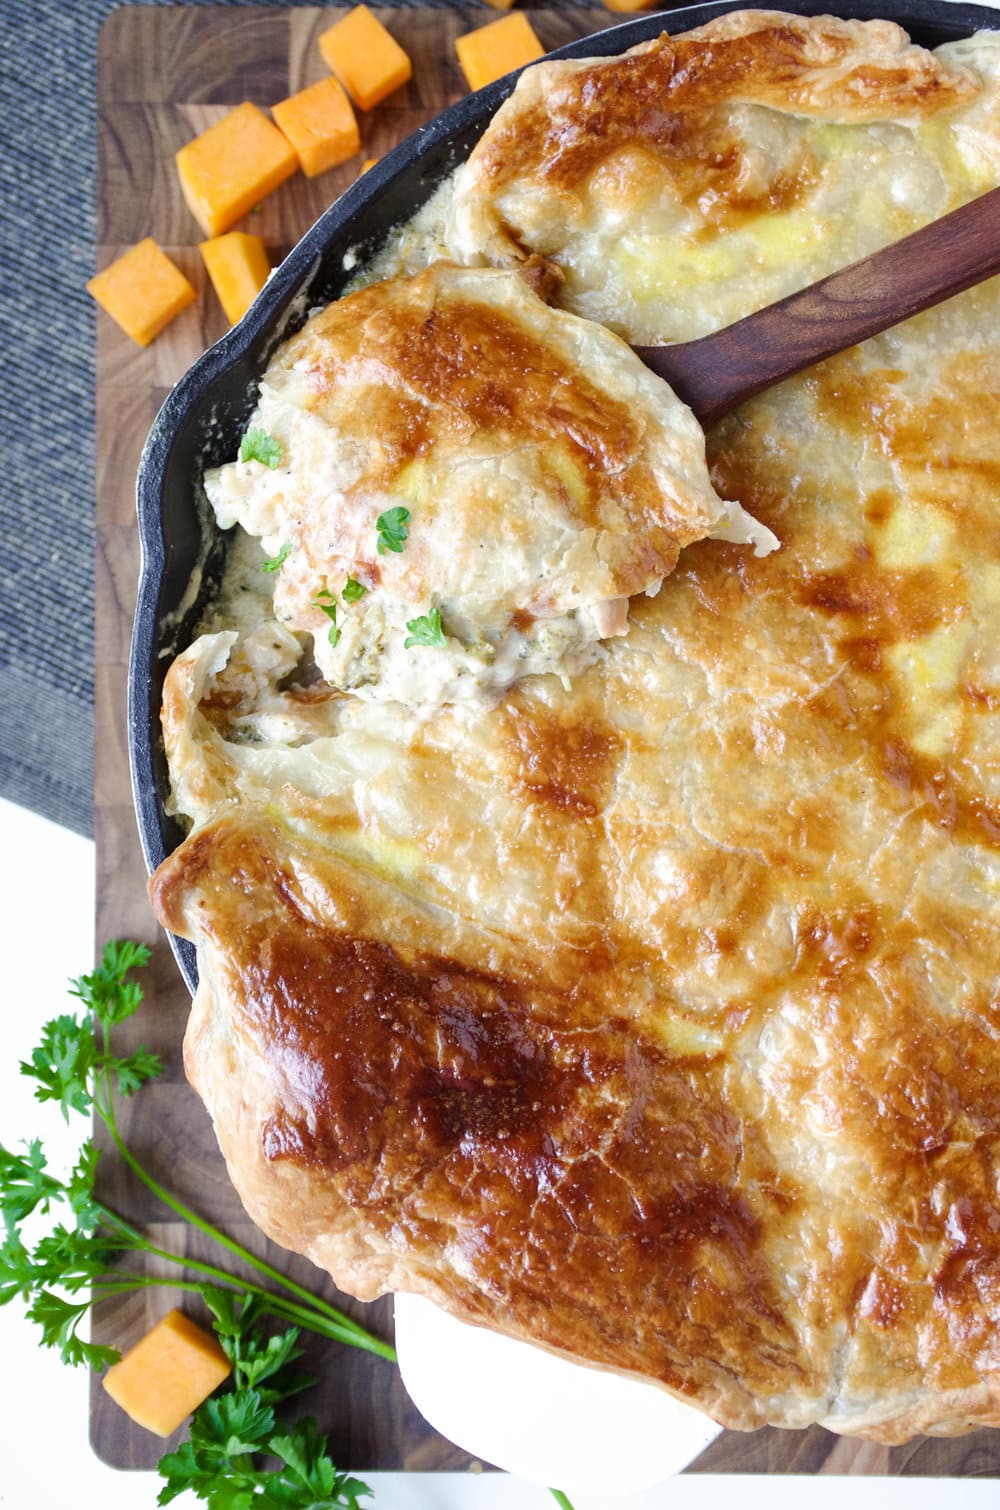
x=235, y=1435
x=231, y=1432
x=83, y=1260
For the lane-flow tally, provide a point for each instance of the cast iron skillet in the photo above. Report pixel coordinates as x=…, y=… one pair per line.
x=203, y=418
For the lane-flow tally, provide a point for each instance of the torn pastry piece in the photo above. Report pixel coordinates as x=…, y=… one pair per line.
x=692, y=180
x=461, y=486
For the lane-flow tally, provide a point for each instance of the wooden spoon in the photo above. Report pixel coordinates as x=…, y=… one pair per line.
x=717, y=372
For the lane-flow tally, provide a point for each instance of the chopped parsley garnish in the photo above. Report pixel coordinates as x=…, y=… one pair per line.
x=257, y=445
x=426, y=630
x=327, y=603
x=353, y=591
x=277, y=562
x=392, y=531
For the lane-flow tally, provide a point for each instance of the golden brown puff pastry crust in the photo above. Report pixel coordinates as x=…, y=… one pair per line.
x=625, y=170
x=424, y=1114
x=675, y=997
x=668, y=1004
x=669, y=96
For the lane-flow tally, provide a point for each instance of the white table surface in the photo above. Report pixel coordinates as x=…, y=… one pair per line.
x=46, y=1461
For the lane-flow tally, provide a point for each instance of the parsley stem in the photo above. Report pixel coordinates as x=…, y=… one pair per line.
x=561, y=1499
x=309, y=1317
x=349, y=1331
x=349, y=1328
x=278, y=1306
x=105, y=1286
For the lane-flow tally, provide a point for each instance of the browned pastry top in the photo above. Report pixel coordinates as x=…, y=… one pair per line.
x=692, y=179
x=655, y=1017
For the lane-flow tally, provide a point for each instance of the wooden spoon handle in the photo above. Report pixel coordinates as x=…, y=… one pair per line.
x=715, y=373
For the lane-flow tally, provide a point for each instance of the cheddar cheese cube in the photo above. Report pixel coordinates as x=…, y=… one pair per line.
x=367, y=59
x=168, y=1374
x=142, y=291
x=238, y=266
x=232, y=166
x=497, y=48
x=320, y=125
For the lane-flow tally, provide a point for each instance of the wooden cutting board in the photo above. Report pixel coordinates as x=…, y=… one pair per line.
x=164, y=74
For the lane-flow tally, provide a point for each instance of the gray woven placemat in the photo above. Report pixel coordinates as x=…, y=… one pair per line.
x=47, y=167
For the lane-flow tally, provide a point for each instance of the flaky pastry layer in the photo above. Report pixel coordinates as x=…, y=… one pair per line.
x=656, y=1019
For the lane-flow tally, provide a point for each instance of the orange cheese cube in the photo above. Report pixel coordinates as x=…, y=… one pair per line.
x=369, y=162
x=238, y=266
x=496, y=49
x=320, y=125
x=627, y=5
x=168, y=1374
x=142, y=292
x=367, y=60
x=230, y=167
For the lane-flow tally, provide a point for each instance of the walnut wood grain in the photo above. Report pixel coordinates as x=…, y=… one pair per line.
x=163, y=74
x=719, y=371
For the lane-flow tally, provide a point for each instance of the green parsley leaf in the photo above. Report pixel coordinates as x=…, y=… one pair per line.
x=67, y=1060
x=329, y=607
x=275, y=563
x=73, y=1258
x=426, y=630
x=133, y=1072
x=59, y=1320
x=17, y=1269
x=257, y=445
x=310, y=1477
x=107, y=993
x=232, y=1424
x=232, y=1313
x=264, y=1360
x=62, y=1062
x=353, y=591
x=392, y=531
x=182, y=1471
x=80, y=1188
x=254, y=1358
x=24, y=1184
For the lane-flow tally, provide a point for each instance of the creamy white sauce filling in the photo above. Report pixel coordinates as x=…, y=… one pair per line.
x=529, y=607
